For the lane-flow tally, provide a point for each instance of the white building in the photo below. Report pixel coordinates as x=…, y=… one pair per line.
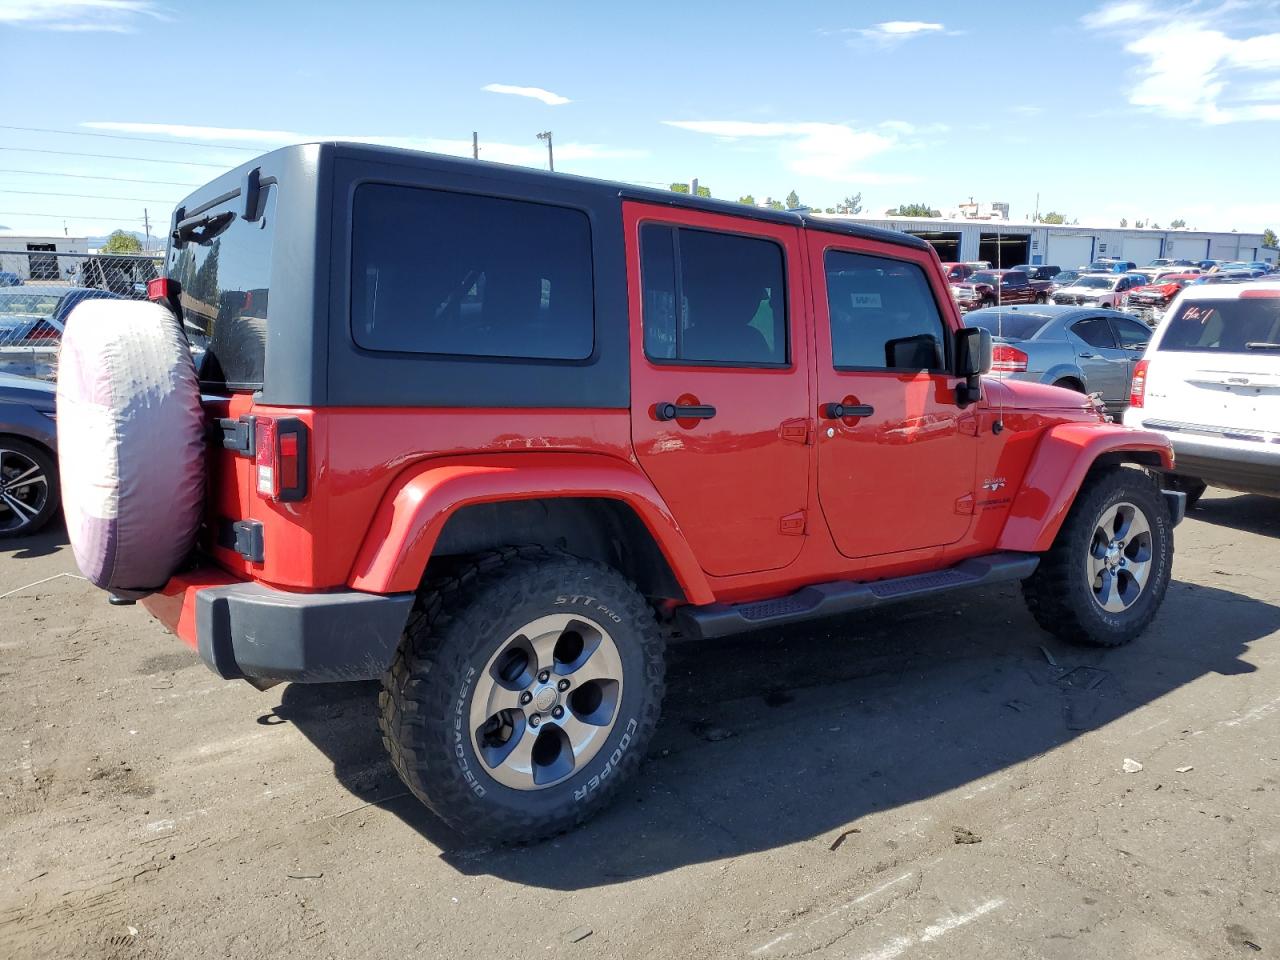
x=1009, y=243
x=35, y=258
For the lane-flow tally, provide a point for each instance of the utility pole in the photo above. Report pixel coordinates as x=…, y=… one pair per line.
x=146, y=226
x=551, y=160
x=475, y=145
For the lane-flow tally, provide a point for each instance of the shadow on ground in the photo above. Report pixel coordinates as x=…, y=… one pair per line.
x=785, y=735
x=50, y=540
x=1249, y=514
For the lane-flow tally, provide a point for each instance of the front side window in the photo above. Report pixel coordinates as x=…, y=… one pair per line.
x=712, y=297
x=464, y=275
x=883, y=314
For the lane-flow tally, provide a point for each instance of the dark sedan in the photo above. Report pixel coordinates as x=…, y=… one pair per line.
x=28, y=463
x=32, y=318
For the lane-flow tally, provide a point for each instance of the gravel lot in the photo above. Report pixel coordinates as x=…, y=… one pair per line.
x=941, y=780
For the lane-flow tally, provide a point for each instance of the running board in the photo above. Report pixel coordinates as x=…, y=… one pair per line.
x=844, y=596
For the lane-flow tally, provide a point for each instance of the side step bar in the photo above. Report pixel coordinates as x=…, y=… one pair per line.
x=845, y=596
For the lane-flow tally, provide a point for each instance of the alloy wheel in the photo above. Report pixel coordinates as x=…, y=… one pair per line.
x=24, y=490
x=546, y=701
x=1120, y=557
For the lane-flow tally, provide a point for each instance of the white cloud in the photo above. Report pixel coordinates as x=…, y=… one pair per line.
x=1026, y=110
x=109, y=16
x=895, y=31
x=1191, y=68
x=534, y=93
x=533, y=154
x=832, y=151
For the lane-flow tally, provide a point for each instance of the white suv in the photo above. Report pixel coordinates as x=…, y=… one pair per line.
x=1210, y=381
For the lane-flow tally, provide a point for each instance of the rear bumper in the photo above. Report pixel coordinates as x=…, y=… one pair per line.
x=1246, y=470
x=246, y=630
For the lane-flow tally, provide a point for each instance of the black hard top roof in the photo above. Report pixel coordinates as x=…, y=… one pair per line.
x=532, y=180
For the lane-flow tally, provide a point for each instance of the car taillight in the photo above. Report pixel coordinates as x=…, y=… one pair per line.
x=280, y=457
x=1265, y=293
x=1006, y=359
x=1138, y=386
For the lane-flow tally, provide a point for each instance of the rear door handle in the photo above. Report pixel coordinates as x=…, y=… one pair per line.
x=683, y=411
x=838, y=411
x=1088, y=356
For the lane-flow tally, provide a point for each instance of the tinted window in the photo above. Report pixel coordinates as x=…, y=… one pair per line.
x=712, y=297
x=1131, y=333
x=452, y=273
x=1008, y=324
x=881, y=307
x=1015, y=279
x=223, y=274
x=1095, y=331
x=1225, y=326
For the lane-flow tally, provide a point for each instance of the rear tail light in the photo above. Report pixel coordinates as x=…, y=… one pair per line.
x=1265, y=293
x=1138, y=387
x=280, y=458
x=161, y=288
x=1006, y=359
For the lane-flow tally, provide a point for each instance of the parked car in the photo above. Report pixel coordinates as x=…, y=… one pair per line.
x=9, y=279
x=1137, y=279
x=1149, y=302
x=1064, y=279
x=28, y=465
x=1234, y=276
x=127, y=275
x=1108, y=265
x=957, y=272
x=1039, y=271
x=1208, y=264
x=1211, y=382
x=1096, y=290
x=32, y=320
x=978, y=264
x=494, y=474
x=1079, y=348
x=991, y=287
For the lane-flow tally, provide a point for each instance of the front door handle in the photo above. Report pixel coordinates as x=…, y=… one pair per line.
x=683, y=411
x=1088, y=356
x=838, y=411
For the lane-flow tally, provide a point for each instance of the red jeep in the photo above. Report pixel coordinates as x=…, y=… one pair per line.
x=493, y=436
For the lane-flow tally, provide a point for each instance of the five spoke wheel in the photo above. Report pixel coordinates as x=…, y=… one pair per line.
x=546, y=701
x=24, y=490
x=1120, y=555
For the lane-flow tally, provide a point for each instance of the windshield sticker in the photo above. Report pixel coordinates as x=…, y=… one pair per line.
x=865, y=300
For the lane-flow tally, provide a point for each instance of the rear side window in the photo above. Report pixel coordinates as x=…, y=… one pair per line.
x=1225, y=326
x=1131, y=333
x=712, y=297
x=223, y=272
x=451, y=273
x=1009, y=324
x=1095, y=331
x=883, y=315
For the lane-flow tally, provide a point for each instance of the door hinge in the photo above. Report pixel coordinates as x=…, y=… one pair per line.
x=797, y=431
x=792, y=524
x=236, y=435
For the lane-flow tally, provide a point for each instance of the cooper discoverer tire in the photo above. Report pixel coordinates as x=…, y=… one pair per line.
x=130, y=443
x=1104, y=578
x=506, y=637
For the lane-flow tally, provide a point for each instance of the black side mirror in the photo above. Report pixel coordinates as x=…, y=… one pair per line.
x=921, y=352
x=973, y=359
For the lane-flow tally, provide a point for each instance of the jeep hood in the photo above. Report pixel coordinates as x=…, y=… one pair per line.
x=1021, y=395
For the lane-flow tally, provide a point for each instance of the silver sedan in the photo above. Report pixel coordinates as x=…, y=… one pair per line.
x=1090, y=350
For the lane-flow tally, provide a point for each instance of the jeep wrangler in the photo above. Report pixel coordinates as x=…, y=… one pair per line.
x=493, y=436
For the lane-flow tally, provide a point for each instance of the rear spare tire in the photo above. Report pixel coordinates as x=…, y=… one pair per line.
x=130, y=443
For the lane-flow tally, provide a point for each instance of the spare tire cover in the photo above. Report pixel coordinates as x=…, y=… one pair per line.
x=130, y=443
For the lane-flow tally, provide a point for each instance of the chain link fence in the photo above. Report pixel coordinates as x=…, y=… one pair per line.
x=38, y=290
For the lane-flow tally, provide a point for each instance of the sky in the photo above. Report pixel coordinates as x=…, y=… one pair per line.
x=1101, y=110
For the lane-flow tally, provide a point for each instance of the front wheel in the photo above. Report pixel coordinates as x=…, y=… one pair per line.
x=523, y=694
x=1104, y=578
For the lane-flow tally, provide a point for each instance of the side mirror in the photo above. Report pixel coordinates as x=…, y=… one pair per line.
x=920, y=352
x=972, y=360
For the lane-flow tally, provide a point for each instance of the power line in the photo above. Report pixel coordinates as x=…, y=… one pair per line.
x=108, y=156
x=85, y=196
x=86, y=176
x=116, y=136
x=68, y=216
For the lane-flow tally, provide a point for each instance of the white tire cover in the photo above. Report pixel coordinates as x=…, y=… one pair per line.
x=130, y=443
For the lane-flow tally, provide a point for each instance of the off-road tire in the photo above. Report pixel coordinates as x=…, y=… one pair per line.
x=1059, y=594
x=457, y=624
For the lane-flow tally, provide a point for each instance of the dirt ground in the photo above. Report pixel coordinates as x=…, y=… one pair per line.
x=940, y=780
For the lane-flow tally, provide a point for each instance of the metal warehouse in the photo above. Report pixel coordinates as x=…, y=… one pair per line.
x=1008, y=243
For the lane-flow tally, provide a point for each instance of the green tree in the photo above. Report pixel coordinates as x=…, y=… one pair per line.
x=915, y=210
x=830, y=210
x=793, y=200
x=1269, y=237
x=852, y=204
x=704, y=191
x=776, y=205
x=1178, y=224
x=748, y=199
x=1155, y=226
x=1124, y=222
x=121, y=242
x=1054, y=217
x=679, y=188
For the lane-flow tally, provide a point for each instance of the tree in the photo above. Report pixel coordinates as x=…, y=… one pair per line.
x=830, y=210
x=776, y=205
x=851, y=204
x=748, y=199
x=1155, y=226
x=1054, y=217
x=915, y=210
x=684, y=188
x=1124, y=222
x=704, y=192
x=793, y=200
x=1268, y=237
x=1178, y=224
x=121, y=242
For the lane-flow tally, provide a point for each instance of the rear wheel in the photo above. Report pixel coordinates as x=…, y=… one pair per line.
x=1193, y=488
x=28, y=487
x=1106, y=574
x=1070, y=383
x=523, y=694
